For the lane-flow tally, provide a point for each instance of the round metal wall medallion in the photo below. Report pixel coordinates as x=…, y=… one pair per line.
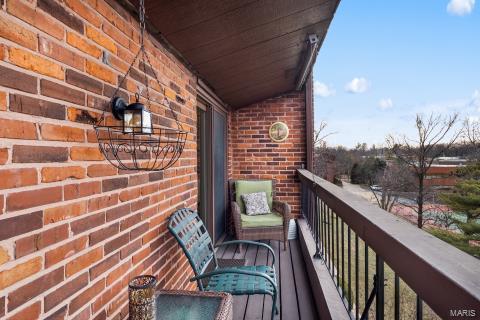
x=278, y=132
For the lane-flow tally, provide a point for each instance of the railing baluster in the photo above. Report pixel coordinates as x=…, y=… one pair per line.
x=333, y=241
x=320, y=227
x=338, y=251
x=343, y=259
x=380, y=297
x=366, y=276
x=356, y=278
x=349, y=258
x=419, y=308
x=397, y=297
x=328, y=236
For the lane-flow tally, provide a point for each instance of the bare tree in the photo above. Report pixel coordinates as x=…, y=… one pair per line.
x=472, y=132
x=322, y=156
x=394, y=181
x=434, y=135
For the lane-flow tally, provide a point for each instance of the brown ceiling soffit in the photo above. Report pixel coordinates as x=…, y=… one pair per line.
x=236, y=96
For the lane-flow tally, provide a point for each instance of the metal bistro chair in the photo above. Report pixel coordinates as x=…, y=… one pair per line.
x=190, y=232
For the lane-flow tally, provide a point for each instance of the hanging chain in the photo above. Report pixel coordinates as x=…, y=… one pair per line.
x=144, y=58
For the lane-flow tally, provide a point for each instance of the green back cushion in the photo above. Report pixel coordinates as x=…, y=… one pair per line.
x=251, y=186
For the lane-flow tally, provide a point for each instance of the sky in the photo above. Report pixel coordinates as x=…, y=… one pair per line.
x=384, y=61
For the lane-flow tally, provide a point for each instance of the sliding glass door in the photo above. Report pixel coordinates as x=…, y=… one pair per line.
x=212, y=167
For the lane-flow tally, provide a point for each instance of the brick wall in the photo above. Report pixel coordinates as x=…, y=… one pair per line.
x=255, y=156
x=74, y=229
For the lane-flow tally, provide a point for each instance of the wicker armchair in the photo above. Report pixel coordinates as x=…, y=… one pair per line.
x=260, y=233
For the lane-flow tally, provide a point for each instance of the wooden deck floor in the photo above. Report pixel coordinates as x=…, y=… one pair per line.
x=295, y=298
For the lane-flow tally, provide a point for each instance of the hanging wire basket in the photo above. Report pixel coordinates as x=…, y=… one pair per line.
x=132, y=151
x=140, y=148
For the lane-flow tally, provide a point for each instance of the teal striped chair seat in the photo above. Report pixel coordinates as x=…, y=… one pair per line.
x=239, y=284
x=192, y=236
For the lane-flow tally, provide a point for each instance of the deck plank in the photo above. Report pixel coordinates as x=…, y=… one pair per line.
x=308, y=310
x=267, y=304
x=240, y=302
x=288, y=295
x=254, y=309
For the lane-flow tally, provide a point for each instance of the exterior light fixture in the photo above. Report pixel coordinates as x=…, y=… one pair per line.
x=135, y=117
x=139, y=143
x=313, y=47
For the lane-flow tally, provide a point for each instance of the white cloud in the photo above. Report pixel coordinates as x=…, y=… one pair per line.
x=323, y=90
x=357, y=85
x=386, y=103
x=475, y=102
x=460, y=7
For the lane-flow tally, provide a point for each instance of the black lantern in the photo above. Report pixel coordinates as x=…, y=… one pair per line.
x=135, y=116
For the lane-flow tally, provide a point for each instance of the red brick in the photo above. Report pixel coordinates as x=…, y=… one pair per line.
x=30, y=312
x=17, y=80
x=60, y=53
x=19, y=272
x=102, y=202
x=130, y=248
x=61, y=92
x=4, y=255
x=65, y=291
x=62, y=133
x=118, y=273
x=129, y=194
x=140, y=204
x=82, y=116
x=114, y=184
x=34, y=288
x=36, y=18
x=40, y=241
x=88, y=223
x=142, y=254
x=38, y=154
x=56, y=255
x=103, y=266
x=118, y=212
x=3, y=95
x=79, y=7
x=81, y=44
x=16, y=33
x=130, y=222
x=15, y=178
x=116, y=243
x=21, y=224
x=60, y=314
x=16, y=129
x=33, y=198
x=84, y=314
x=3, y=155
x=52, y=174
x=138, y=179
x=83, y=262
x=36, y=107
x=85, y=154
x=138, y=231
x=2, y=306
x=100, y=38
x=64, y=212
x=60, y=13
x=102, y=234
x=29, y=61
x=100, y=72
x=83, y=298
x=101, y=170
x=82, y=81
x=75, y=191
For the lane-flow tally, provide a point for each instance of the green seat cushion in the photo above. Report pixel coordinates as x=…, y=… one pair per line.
x=260, y=221
x=251, y=186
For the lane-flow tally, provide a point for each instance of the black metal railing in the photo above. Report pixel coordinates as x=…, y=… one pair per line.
x=383, y=267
